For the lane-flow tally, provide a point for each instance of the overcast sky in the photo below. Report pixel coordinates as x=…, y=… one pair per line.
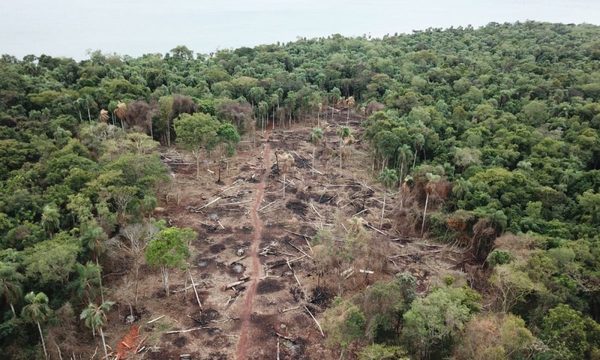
x=135, y=27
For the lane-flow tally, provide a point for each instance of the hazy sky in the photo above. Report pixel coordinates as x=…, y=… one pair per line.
x=135, y=27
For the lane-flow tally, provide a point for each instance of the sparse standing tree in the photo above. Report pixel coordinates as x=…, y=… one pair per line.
x=197, y=132
x=168, y=250
x=345, y=137
x=429, y=189
x=10, y=285
x=37, y=311
x=94, y=317
x=316, y=137
x=388, y=178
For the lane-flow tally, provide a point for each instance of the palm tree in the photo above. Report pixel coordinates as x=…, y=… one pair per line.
x=404, y=154
x=350, y=102
x=429, y=189
x=10, y=284
x=345, y=137
x=88, y=280
x=419, y=143
x=388, y=178
x=37, y=311
x=316, y=136
x=50, y=218
x=94, y=317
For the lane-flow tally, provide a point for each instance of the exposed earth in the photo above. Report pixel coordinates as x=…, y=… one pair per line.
x=252, y=262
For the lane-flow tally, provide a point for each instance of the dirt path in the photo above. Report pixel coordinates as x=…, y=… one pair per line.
x=242, y=346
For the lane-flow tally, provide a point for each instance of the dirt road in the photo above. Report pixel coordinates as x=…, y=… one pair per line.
x=257, y=224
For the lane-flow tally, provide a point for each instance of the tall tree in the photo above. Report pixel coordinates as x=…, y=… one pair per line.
x=94, y=317
x=168, y=250
x=389, y=179
x=316, y=137
x=10, y=284
x=345, y=138
x=197, y=132
x=37, y=311
x=430, y=188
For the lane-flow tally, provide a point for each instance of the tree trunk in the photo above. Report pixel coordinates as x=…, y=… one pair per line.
x=415, y=159
x=12, y=308
x=168, y=133
x=80, y=118
x=165, y=275
x=341, y=152
x=313, y=162
x=42, y=337
x=89, y=114
x=401, y=171
x=104, y=343
x=100, y=281
x=348, y=116
x=424, y=214
x=382, y=209
x=284, y=185
x=197, y=166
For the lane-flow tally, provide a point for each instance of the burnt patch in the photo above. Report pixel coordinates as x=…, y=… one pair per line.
x=294, y=349
x=268, y=286
x=205, y=316
x=297, y=293
x=180, y=342
x=321, y=296
x=217, y=248
x=298, y=207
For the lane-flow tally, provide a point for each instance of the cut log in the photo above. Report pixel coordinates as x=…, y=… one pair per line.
x=155, y=320
x=236, y=283
x=195, y=291
x=316, y=322
x=186, y=330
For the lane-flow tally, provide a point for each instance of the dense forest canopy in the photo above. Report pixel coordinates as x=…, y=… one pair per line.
x=499, y=125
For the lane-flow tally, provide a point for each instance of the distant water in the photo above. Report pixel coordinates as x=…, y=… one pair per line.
x=135, y=27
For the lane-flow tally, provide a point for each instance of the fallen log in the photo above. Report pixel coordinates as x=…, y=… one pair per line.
x=316, y=322
x=155, y=320
x=195, y=291
x=186, y=330
x=236, y=283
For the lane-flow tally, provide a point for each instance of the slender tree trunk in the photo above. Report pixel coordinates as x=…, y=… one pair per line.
x=80, y=118
x=165, y=275
x=137, y=274
x=197, y=166
x=424, y=214
x=313, y=160
x=341, y=152
x=42, y=337
x=401, y=171
x=12, y=308
x=168, y=132
x=382, y=210
x=284, y=185
x=89, y=114
x=100, y=281
x=415, y=159
x=348, y=116
x=104, y=343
